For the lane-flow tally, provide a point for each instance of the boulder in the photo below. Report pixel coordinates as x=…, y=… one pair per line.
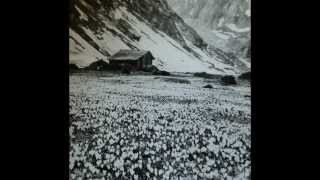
x=209, y=86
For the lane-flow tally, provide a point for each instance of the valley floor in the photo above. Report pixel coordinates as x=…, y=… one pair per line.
x=153, y=127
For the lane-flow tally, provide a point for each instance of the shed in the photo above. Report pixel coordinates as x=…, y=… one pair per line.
x=132, y=59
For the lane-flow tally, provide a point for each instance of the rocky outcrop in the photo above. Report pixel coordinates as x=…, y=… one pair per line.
x=224, y=24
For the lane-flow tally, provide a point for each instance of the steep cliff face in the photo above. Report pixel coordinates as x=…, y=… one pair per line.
x=100, y=28
x=214, y=14
x=222, y=23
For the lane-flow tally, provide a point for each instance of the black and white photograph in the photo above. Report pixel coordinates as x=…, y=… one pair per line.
x=160, y=89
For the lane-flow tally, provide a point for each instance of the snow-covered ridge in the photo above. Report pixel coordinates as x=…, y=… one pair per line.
x=104, y=31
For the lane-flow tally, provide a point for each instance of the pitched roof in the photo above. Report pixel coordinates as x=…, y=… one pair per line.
x=128, y=54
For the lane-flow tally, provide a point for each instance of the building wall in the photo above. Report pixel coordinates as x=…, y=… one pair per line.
x=134, y=65
x=142, y=63
x=147, y=61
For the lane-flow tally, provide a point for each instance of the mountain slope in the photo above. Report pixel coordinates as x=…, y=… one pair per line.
x=99, y=28
x=224, y=24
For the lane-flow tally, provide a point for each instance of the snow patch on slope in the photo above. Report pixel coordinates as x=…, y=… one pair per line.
x=248, y=12
x=216, y=63
x=244, y=61
x=81, y=52
x=82, y=14
x=169, y=54
x=233, y=27
x=107, y=41
x=221, y=21
x=221, y=35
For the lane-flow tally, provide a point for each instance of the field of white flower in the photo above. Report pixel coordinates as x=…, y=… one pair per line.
x=151, y=127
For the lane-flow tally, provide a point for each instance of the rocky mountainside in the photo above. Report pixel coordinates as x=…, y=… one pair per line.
x=100, y=28
x=224, y=24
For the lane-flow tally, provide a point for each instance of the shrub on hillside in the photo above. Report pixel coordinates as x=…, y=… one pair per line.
x=161, y=73
x=205, y=75
x=151, y=69
x=228, y=80
x=245, y=76
x=73, y=67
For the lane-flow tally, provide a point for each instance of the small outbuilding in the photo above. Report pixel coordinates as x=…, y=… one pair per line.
x=132, y=59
